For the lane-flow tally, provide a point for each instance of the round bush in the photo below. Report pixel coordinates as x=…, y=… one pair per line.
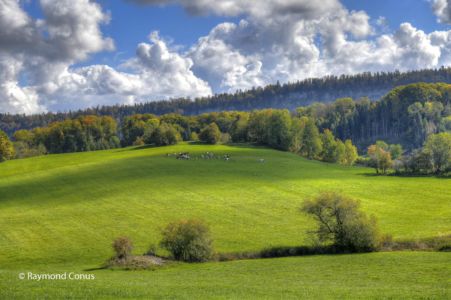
x=188, y=240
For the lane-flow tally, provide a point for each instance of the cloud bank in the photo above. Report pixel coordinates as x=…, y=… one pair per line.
x=283, y=40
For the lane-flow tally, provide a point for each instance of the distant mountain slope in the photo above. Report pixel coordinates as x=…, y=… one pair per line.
x=290, y=96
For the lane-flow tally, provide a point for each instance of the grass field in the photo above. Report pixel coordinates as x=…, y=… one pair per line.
x=406, y=275
x=60, y=213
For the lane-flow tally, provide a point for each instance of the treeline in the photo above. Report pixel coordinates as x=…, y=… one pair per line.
x=289, y=96
x=406, y=115
x=278, y=129
x=433, y=158
x=84, y=133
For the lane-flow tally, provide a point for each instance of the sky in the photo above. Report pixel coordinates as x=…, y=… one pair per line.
x=60, y=55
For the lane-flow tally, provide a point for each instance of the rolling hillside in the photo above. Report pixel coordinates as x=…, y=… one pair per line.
x=61, y=213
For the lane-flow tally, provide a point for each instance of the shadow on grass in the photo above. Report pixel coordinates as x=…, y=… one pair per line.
x=134, y=148
x=440, y=244
x=406, y=175
x=443, y=176
x=95, y=269
x=282, y=251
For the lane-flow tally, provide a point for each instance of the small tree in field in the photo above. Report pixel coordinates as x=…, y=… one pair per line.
x=438, y=146
x=341, y=222
x=188, y=240
x=123, y=247
x=380, y=159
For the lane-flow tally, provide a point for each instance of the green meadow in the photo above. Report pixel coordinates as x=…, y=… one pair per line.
x=60, y=213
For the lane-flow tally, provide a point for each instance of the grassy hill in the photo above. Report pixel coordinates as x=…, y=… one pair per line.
x=61, y=213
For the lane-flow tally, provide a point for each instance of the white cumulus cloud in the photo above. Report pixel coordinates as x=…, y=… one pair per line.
x=37, y=58
x=285, y=40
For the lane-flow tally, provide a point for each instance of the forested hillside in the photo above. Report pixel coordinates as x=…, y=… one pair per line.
x=406, y=115
x=290, y=96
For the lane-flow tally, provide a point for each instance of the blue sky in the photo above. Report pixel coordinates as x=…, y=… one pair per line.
x=72, y=57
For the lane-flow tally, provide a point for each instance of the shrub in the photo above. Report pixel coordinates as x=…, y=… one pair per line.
x=341, y=223
x=188, y=240
x=123, y=247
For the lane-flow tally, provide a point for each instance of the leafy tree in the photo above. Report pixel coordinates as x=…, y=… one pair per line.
x=342, y=223
x=438, y=146
x=194, y=137
x=340, y=152
x=135, y=126
x=279, y=127
x=239, y=128
x=149, y=129
x=395, y=151
x=311, y=142
x=382, y=145
x=418, y=162
x=330, y=150
x=210, y=134
x=27, y=144
x=6, y=147
x=165, y=135
x=258, y=126
x=380, y=159
x=350, y=155
x=188, y=240
x=297, y=133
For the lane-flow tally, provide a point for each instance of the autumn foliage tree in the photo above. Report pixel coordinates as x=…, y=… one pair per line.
x=6, y=147
x=380, y=159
